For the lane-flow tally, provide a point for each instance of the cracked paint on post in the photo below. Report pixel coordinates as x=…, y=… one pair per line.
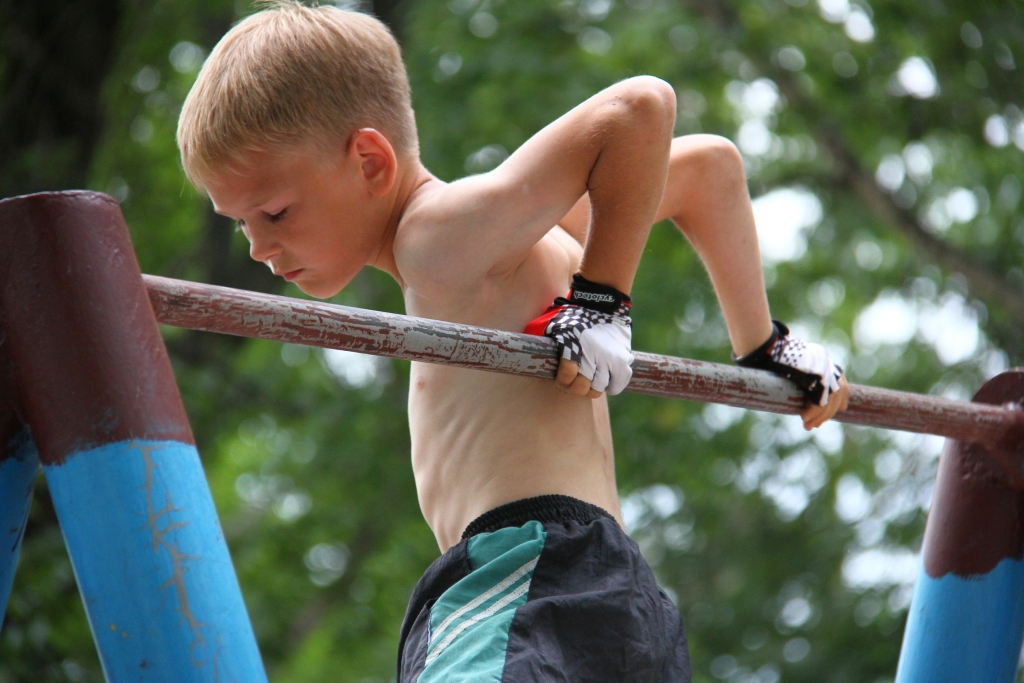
x=17, y=476
x=163, y=543
x=164, y=601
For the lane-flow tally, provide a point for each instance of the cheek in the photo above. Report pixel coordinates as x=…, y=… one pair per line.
x=335, y=258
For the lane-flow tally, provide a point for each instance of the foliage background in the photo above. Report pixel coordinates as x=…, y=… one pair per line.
x=884, y=146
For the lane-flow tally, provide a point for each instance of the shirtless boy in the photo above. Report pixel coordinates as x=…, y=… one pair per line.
x=300, y=127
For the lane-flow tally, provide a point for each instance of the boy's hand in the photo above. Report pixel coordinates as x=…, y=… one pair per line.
x=593, y=331
x=815, y=416
x=806, y=364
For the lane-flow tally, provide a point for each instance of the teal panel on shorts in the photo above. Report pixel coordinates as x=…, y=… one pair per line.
x=469, y=623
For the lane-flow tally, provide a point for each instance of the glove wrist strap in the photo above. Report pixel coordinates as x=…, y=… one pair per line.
x=761, y=357
x=598, y=297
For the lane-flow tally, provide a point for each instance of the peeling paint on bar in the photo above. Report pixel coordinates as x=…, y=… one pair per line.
x=250, y=314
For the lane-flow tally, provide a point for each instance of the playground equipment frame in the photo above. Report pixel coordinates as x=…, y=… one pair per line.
x=86, y=389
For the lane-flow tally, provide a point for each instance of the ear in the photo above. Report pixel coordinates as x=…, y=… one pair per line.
x=378, y=163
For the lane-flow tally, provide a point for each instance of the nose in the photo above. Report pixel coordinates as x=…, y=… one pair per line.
x=261, y=248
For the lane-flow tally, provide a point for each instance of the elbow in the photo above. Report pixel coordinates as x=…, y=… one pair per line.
x=649, y=101
x=713, y=158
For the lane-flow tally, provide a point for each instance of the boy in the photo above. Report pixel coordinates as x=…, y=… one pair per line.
x=300, y=127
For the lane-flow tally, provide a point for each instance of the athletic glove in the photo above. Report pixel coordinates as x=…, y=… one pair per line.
x=592, y=328
x=804, y=363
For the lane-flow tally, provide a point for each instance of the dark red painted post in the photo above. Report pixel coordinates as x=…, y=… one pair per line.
x=95, y=385
x=966, y=618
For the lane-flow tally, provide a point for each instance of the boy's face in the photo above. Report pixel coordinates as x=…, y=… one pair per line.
x=310, y=220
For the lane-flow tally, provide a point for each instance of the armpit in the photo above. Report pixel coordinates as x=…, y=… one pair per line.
x=572, y=246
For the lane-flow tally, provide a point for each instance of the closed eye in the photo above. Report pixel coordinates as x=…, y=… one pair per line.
x=275, y=217
x=239, y=226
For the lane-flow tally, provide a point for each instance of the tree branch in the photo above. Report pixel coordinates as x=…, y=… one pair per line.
x=985, y=282
x=853, y=178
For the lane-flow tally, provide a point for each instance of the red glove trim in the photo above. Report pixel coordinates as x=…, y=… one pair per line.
x=538, y=325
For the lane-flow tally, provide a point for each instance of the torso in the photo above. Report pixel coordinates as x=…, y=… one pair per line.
x=480, y=439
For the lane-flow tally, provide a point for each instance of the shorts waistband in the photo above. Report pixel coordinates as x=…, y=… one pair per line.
x=550, y=508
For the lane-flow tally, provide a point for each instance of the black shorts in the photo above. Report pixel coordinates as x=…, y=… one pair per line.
x=542, y=589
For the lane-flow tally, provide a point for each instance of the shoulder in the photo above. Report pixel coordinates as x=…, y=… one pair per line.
x=480, y=233
x=438, y=238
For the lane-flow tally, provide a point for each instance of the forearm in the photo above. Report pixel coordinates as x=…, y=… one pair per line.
x=706, y=196
x=731, y=258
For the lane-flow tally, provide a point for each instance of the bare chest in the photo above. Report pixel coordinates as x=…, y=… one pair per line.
x=508, y=301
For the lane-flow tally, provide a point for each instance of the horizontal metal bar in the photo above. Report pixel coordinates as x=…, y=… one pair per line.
x=250, y=314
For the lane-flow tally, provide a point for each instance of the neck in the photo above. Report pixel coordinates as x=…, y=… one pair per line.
x=411, y=177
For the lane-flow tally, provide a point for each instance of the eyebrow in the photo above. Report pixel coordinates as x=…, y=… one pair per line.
x=221, y=213
x=253, y=207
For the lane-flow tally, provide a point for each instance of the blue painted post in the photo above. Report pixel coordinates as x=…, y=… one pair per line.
x=966, y=619
x=96, y=388
x=18, y=467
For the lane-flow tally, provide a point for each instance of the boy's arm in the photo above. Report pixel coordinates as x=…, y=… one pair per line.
x=702, y=196
x=719, y=223
x=615, y=146
x=706, y=197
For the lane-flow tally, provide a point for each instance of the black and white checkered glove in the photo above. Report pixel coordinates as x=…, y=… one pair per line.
x=806, y=364
x=593, y=329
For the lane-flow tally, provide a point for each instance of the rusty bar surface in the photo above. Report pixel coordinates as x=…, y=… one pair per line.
x=298, y=321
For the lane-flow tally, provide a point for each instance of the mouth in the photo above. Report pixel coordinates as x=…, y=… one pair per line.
x=292, y=274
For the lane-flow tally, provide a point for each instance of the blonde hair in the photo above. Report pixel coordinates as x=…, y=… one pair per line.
x=291, y=75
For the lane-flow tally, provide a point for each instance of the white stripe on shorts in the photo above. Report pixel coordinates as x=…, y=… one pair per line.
x=485, y=596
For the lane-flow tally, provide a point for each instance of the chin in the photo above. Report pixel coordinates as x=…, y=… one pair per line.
x=319, y=290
